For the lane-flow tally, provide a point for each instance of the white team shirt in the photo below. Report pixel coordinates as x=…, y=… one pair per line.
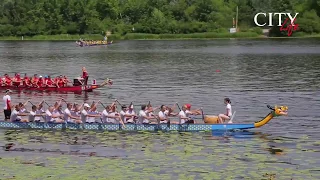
x=131, y=120
x=182, y=114
x=84, y=117
x=38, y=118
x=66, y=117
x=228, y=107
x=91, y=119
x=48, y=116
x=14, y=115
x=55, y=113
x=6, y=98
x=141, y=117
x=104, y=115
x=32, y=115
x=163, y=115
x=112, y=120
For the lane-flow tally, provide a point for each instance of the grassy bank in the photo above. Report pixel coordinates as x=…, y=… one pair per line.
x=60, y=37
x=143, y=36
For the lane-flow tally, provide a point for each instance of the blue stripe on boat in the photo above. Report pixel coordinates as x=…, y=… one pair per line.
x=231, y=126
x=129, y=127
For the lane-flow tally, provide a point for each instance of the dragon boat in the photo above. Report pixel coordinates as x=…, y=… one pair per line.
x=76, y=87
x=208, y=125
x=93, y=43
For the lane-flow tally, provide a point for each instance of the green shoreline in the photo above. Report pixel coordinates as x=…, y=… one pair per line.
x=142, y=36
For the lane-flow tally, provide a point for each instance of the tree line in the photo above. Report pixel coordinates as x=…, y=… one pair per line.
x=50, y=17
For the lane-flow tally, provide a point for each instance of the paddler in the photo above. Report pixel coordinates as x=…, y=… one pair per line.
x=56, y=81
x=39, y=111
x=7, y=80
x=23, y=106
x=52, y=117
x=16, y=80
x=123, y=112
x=61, y=81
x=65, y=81
x=48, y=82
x=163, y=114
x=93, y=113
x=16, y=116
x=57, y=112
x=110, y=115
x=85, y=114
x=33, y=114
x=183, y=116
x=144, y=117
x=68, y=117
x=40, y=82
x=34, y=80
x=130, y=115
x=114, y=116
x=26, y=81
x=191, y=112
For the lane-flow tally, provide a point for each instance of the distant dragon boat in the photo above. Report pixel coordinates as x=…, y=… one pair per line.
x=209, y=125
x=93, y=43
x=76, y=87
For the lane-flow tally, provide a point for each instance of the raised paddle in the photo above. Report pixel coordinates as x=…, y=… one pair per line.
x=104, y=108
x=47, y=104
x=178, y=106
x=118, y=102
x=202, y=114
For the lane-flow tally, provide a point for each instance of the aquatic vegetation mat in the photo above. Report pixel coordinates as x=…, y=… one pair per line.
x=112, y=155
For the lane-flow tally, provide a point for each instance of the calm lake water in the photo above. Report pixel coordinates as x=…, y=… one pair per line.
x=252, y=73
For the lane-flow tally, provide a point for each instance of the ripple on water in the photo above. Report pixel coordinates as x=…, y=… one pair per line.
x=252, y=73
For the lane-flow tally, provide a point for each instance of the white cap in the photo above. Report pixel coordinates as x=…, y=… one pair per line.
x=40, y=76
x=86, y=105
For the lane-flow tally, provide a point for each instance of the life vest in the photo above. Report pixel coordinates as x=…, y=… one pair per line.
x=40, y=82
x=8, y=80
x=26, y=81
x=49, y=82
x=60, y=82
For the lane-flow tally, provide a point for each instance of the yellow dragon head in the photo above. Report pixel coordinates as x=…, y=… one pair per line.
x=107, y=82
x=279, y=110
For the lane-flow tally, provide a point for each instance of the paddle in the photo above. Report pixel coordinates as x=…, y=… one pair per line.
x=104, y=108
x=178, y=106
x=202, y=114
x=118, y=102
x=47, y=104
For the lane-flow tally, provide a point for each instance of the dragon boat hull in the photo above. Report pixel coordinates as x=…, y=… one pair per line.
x=74, y=88
x=87, y=88
x=128, y=127
x=277, y=111
x=84, y=45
